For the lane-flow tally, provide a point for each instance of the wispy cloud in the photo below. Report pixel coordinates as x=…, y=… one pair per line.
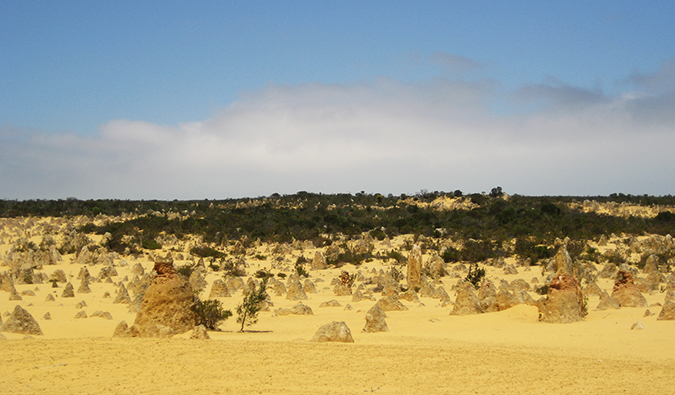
x=659, y=81
x=456, y=63
x=379, y=136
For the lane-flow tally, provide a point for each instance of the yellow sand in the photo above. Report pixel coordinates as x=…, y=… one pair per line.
x=425, y=351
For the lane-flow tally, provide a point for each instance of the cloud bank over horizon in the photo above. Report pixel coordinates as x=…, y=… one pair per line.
x=381, y=135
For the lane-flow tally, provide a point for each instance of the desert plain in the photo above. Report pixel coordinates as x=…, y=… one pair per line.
x=425, y=350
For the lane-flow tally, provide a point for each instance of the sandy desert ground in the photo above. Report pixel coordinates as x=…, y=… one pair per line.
x=426, y=349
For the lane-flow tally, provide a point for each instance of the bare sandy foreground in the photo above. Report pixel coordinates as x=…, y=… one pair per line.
x=425, y=351
x=399, y=365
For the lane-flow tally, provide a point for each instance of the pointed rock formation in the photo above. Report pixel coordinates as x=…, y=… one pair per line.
x=506, y=300
x=84, y=287
x=606, y=302
x=200, y=333
x=102, y=314
x=626, y=293
x=168, y=303
x=409, y=295
x=592, y=289
x=466, y=302
x=319, y=261
x=375, y=320
x=295, y=290
x=391, y=303
x=414, y=274
x=667, y=311
x=308, y=286
x=68, y=291
x=122, y=295
x=564, y=301
x=342, y=290
x=123, y=330
x=20, y=321
x=219, y=290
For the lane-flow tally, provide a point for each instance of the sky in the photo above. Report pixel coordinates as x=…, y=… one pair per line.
x=212, y=100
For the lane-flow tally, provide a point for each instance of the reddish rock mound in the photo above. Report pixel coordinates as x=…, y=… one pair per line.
x=564, y=301
x=626, y=293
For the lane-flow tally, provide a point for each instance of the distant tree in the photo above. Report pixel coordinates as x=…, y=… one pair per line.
x=496, y=192
x=249, y=308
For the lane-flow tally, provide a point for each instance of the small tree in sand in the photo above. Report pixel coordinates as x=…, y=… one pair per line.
x=249, y=308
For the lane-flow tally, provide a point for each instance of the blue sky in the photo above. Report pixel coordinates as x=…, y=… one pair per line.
x=232, y=99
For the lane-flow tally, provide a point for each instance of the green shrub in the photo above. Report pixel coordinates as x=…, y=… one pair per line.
x=451, y=254
x=205, y=252
x=187, y=269
x=247, y=311
x=262, y=273
x=378, y=234
x=475, y=275
x=150, y=244
x=233, y=269
x=300, y=269
x=210, y=313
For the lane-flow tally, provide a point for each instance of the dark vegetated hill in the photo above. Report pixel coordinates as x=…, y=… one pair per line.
x=309, y=216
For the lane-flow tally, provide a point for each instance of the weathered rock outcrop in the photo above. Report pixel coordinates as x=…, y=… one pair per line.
x=68, y=291
x=319, y=261
x=200, y=333
x=414, y=274
x=564, y=301
x=391, y=303
x=606, y=302
x=626, y=293
x=334, y=332
x=667, y=311
x=168, y=302
x=21, y=321
x=466, y=302
x=375, y=320
x=219, y=289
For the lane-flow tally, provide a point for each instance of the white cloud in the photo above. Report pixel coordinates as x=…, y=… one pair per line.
x=378, y=136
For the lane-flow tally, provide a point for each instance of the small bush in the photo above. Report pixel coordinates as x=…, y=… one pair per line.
x=300, y=269
x=475, y=275
x=378, y=234
x=206, y=252
x=543, y=290
x=210, y=313
x=262, y=273
x=233, y=269
x=450, y=254
x=150, y=244
x=187, y=269
x=397, y=256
